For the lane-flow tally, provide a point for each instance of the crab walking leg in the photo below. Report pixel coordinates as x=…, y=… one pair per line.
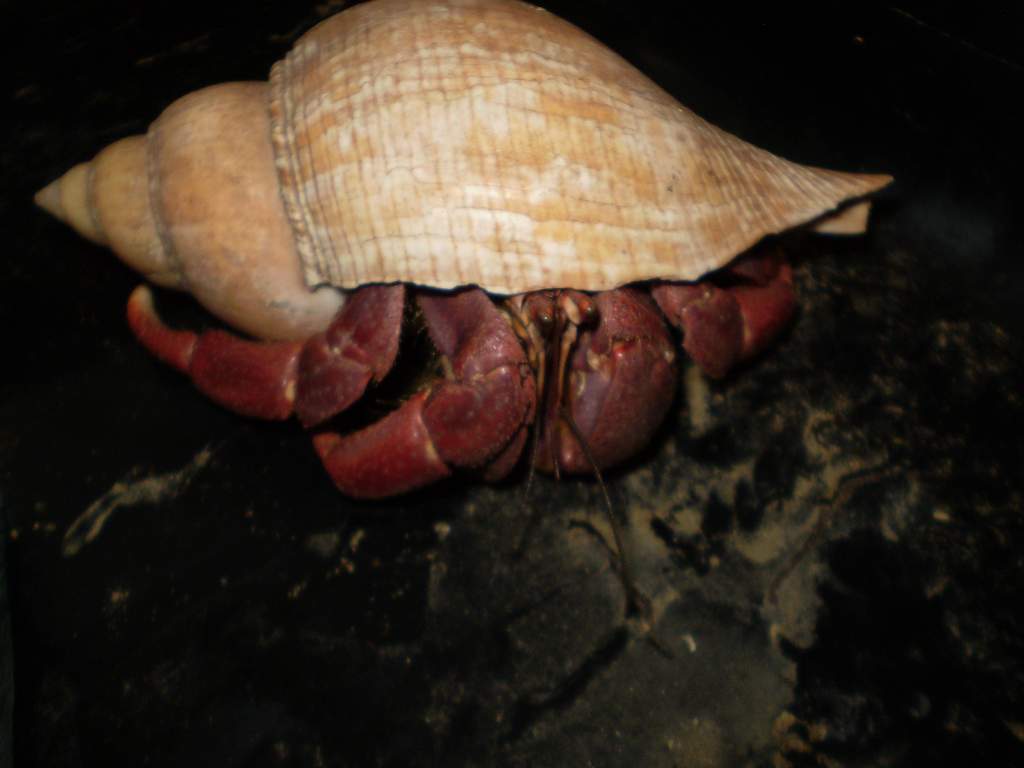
x=270, y=380
x=723, y=326
x=621, y=381
x=476, y=417
x=251, y=378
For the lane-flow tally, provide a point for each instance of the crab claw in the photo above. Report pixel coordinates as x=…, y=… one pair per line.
x=476, y=417
x=621, y=382
x=724, y=325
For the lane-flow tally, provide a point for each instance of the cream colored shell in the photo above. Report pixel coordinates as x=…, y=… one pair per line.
x=450, y=142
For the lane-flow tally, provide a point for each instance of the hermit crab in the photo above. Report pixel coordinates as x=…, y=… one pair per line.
x=548, y=210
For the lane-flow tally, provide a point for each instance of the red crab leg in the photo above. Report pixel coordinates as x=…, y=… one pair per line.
x=475, y=417
x=315, y=379
x=723, y=326
x=620, y=384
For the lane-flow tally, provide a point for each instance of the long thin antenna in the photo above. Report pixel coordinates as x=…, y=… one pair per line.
x=634, y=601
x=531, y=516
x=552, y=366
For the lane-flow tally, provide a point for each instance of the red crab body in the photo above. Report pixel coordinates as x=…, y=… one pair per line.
x=599, y=371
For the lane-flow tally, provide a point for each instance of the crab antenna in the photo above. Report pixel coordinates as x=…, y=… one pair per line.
x=531, y=518
x=634, y=601
x=559, y=342
x=544, y=382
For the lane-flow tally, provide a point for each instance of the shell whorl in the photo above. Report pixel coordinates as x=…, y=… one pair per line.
x=450, y=142
x=107, y=201
x=194, y=205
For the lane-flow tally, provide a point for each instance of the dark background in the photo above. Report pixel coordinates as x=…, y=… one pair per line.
x=834, y=549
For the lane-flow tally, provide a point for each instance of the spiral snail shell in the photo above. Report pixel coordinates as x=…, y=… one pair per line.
x=441, y=143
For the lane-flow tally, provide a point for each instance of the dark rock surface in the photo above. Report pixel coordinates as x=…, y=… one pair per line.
x=831, y=539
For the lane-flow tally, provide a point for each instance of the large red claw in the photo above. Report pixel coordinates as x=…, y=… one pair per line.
x=491, y=396
x=726, y=325
x=621, y=383
x=475, y=419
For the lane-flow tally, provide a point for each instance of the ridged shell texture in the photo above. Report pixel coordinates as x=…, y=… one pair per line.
x=488, y=142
